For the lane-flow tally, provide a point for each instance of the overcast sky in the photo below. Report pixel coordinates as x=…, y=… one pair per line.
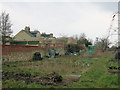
x=68, y=18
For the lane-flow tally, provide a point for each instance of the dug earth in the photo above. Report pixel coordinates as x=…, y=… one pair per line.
x=48, y=79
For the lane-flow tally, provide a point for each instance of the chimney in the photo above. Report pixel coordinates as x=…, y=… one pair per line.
x=27, y=29
x=51, y=35
x=38, y=34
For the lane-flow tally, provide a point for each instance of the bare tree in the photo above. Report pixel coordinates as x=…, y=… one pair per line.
x=102, y=44
x=75, y=37
x=5, y=27
x=83, y=40
x=63, y=35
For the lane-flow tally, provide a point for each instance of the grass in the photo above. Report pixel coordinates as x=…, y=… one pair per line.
x=62, y=66
x=21, y=84
x=98, y=77
x=93, y=76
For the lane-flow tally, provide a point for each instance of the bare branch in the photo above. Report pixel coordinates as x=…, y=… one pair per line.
x=5, y=27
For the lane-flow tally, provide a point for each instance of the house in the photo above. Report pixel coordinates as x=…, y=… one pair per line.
x=30, y=37
x=47, y=35
x=27, y=35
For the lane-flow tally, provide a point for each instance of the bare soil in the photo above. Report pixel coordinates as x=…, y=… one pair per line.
x=114, y=71
x=48, y=79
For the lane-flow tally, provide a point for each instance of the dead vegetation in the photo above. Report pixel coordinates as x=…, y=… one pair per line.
x=68, y=65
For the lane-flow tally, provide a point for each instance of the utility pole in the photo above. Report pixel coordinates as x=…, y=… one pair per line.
x=119, y=25
x=119, y=39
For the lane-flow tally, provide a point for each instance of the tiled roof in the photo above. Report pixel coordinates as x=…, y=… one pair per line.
x=45, y=35
x=33, y=34
x=29, y=33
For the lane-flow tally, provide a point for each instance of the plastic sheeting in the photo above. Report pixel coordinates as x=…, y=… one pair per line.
x=37, y=56
x=52, y=52
x=117, y=55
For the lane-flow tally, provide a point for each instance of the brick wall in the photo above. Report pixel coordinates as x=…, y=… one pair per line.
x=25, y=52
x=6, y=49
